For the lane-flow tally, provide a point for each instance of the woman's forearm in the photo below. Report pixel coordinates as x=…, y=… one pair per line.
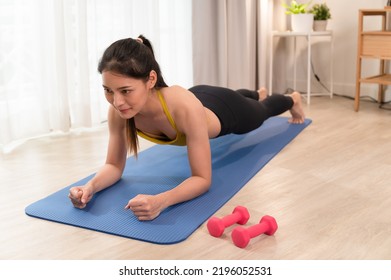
x=190, y=188
x=105, y=177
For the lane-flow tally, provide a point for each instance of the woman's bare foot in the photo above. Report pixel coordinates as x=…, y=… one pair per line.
x=262, y=92
x=297, y=109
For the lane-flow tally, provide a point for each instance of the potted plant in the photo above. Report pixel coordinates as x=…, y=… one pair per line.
x=301, y=19
x=321, y=16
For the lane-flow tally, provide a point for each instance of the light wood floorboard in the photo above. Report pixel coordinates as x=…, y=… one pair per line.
x=329, y=190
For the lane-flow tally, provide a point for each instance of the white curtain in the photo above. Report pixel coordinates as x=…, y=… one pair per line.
x=230, y=42
x=49, y=51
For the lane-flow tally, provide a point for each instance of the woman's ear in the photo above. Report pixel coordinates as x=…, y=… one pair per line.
x=152, y=79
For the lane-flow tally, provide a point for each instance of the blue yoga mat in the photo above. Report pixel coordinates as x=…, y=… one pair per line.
x=235, y=160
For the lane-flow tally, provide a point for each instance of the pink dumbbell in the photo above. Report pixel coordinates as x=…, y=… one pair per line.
x=216, y=226
x=241, y=236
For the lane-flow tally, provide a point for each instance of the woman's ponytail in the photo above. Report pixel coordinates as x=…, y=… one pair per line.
x=146, y=42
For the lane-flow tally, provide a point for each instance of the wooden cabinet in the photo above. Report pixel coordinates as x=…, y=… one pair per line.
x=373, y=45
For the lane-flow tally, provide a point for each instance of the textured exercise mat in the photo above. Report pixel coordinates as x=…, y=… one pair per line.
x=235, y=160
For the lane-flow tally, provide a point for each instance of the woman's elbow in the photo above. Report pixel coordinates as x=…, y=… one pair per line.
x=207, y=184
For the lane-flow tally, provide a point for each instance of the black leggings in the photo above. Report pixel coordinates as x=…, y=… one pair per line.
x=240, y=113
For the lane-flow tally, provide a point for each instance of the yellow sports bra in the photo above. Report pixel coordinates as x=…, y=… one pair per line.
x=180, y=139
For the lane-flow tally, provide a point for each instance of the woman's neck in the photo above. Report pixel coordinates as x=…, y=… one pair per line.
x=152, y=107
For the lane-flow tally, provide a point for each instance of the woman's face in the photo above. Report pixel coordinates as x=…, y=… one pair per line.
x=127, y=95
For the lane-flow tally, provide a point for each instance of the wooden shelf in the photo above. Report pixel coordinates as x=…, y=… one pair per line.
x=381, y=57
x=376, y=32
x=384, y=79
x=373, y=12
x=373, y=44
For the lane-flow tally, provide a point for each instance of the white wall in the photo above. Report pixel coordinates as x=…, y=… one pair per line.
x=344, y=24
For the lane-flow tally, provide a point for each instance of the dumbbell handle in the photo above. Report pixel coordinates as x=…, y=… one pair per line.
x=257, y=229
x=231, y=219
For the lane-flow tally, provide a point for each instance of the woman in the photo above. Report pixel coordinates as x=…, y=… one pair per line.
x=142, y=104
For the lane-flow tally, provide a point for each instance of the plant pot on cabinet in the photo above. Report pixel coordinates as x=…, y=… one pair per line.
x=320, y=25
x=302, y=22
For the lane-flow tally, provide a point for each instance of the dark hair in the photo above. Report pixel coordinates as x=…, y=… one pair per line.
x=135, y=59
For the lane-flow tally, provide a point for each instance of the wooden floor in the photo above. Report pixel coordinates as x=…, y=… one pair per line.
x=329, y=189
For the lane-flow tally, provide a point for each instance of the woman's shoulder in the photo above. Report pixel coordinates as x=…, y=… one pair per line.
x=182, y=104
x=175, y=89
x=178, y=96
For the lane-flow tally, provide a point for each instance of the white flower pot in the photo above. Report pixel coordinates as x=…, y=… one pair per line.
x=320, y=25
x=302, y=22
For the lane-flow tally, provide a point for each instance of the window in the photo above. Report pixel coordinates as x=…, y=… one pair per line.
x=49, y=51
